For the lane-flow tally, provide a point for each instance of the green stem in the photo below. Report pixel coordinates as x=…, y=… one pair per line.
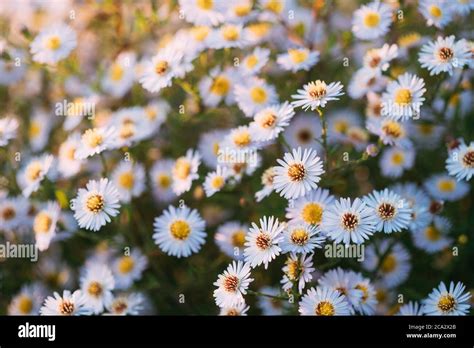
x=104, y=165
x=258, y=293
x=324, y=134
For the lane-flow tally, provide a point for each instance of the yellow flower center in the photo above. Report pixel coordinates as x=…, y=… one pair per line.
x=298, y=56
x=238, y=239
x=42, y=223
x=275, y=6
x=398, y=158
x=268, y=120
x=200, y=32
x=95, y=289
x=180, y=229
x=205, y=4
x=230, y=33
x=251, y=61
x=66, y=307
x=242, y=10
x=446, y=303
x=25, y=304
x=258, y=95
x=126, y=264
x=389, y=264
x=34, y=129
x=296, y=172
x=446, y=185
x=92, y=137
x=217, y=182
x=116, y=72
x=215, y=148
x=34, y=170
x=317, y=90
x=426, y=128
x=299, y=236
x=220, y=85
x=365, y=292
x=53, y=43
x=182, y=168
x=95, y=203
x=432, y=233
x=259, y=29
x=392, y=129
x=435, y=11
x=163, y=180
x=324, y=308
x=403, y=96
x=312, y=213
x=126, y=180
x=161, y=67
x=242, y=139
x=371, y=19
x=293, y=269
x=341, y=126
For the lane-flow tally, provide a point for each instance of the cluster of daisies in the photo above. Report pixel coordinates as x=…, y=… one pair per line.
x=236, y=52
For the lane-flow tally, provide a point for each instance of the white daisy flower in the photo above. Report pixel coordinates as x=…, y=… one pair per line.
x=339, y=124
x=323, y=301
x=433, y=237
x=128, y=268
x=379, y=59
x=96, y=204
x=28, y=301
x=243, y=139
x=179, y=231
x=232, y=284
x=130, y=126
x=218, y=86
x=298, y=59
x=215, y=181
x=395, y=266
x=404, y=97
x=120, y=75
x=392, y=212
x=237, y=310
x=463, y=7
x=316, y=94
x=436, y=12
x=303, y=131
x=267, y=181
x=230, y=238
x=162, y=180
x=185, y=171
x=395, y=160
x=446, y=188
x=44, y=225
x=39, y=129
x=310, y=208
x=97, y=283
x=365, y=81
x=209, y=146
x=447, y=301
x=8, y=129
x=262, y=243
x=411, y=309
x=53, y=44
x=203, y=12
x=444, y=55
x=391, y=132
x=426, y=135
x=240, y=11
x=254, y=95
x=259, y=32
x=95, y=141
x=418, y=201
x=13, y=212
x=344, y=282
x=372, y=20
x=129, y=179
x=301, y=238
x=163, y=67
x=255, y=61
x=298, y=173
x=271, y=121
x=298, y=270
x=68, y=165
x=155, y=115
x=348, y=222
x=126, y=304
x=368, y=302
x=460, y=162
x=227, y=36
x=67, y=304
x=29, y=178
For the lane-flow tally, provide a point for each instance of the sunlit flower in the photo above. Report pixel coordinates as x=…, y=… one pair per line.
x=97, y=283
x=230, y=238
x=316, y=94
x=323, y=301
x=460, y=162
x=215, y=181
x=232, y=284
x=44, y=224
x=8, y=129
x=30, y=177
x=371, y=21
x=254, y=95
x=298, y=270
x=298, y=59
x=53, y=44
x=94, y=141
x=129, y=179
x=185, y=171
x=128, y=268
x=269, y=122
x=68, y=304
